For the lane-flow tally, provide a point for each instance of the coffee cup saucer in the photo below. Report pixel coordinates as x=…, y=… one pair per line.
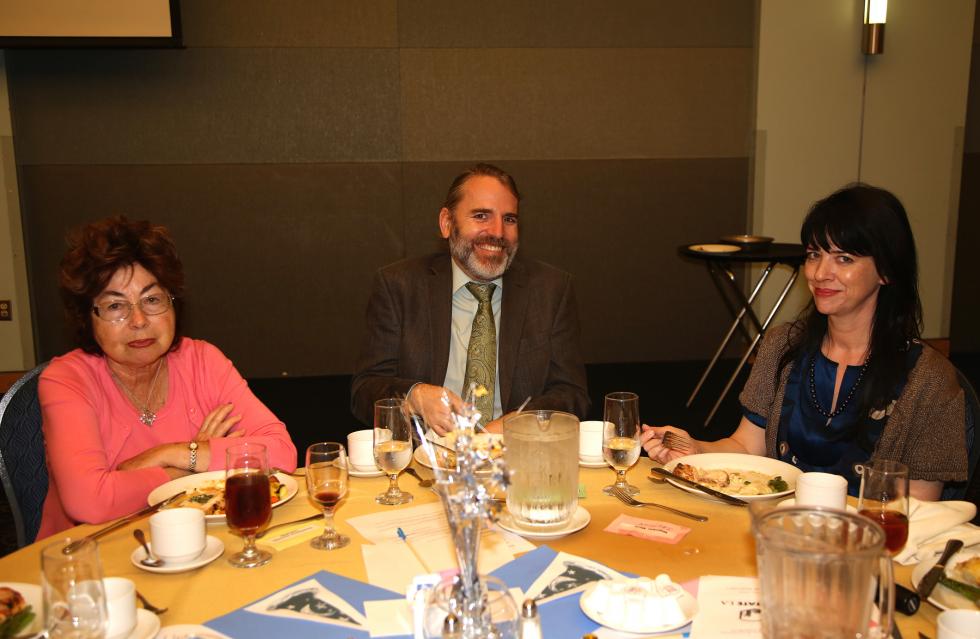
x=579, y=520
x=789, y=503
x=147, y=625
x=600, y=463
x=212, y=550
x=365, y=473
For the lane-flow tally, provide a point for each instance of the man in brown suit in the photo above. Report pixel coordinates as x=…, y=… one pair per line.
x=436, y=323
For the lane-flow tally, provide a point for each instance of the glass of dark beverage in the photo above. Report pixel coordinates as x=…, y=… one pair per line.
x=621, y=437
x=884, y=498
x=248, y=501
x=392, y=447
x=326, y=483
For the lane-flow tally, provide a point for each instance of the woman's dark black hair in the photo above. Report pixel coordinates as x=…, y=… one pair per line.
x=867, y=221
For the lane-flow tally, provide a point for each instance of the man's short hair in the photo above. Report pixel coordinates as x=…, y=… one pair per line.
x=455, y=193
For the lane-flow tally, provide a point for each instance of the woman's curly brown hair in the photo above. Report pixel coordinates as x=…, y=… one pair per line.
x=97, y=250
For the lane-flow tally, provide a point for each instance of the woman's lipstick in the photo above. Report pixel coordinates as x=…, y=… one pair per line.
x=141, y=343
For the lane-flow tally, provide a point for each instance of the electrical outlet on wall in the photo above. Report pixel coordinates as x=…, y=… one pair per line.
x=6, y=311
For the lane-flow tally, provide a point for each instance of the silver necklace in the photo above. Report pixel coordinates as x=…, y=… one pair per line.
x=147, y=416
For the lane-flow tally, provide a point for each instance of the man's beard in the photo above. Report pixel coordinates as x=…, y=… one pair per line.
x=463, y=252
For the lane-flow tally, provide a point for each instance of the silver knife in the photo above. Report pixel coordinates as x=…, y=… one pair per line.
x=149, y=510
x=931, y=578
x=728, y=499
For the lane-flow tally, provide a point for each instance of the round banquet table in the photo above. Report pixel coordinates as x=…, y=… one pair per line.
x=721, y=546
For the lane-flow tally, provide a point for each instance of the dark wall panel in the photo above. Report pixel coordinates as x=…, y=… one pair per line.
x=205, y=106
x=586, y=23
x=278, y=258
x=575, y=103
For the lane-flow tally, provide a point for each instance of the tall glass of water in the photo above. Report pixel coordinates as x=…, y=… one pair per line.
x=621, y=437
x=392, y=447
x=74, y=595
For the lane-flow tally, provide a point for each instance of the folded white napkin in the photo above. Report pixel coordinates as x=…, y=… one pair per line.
x=932, y=524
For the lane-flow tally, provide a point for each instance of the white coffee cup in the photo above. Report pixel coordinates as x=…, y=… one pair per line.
x=958, y=624
x=821, y=489
x=590, y=442
x=120, y=600
x=360, y=451
x=178, y=535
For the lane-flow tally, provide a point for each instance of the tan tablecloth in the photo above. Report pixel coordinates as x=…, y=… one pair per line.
x=721, y=546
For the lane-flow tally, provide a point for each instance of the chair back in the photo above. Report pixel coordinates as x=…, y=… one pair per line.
x=23, y=468
x=970, y=489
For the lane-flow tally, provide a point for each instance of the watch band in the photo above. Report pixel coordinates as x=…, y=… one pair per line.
x=192, y=466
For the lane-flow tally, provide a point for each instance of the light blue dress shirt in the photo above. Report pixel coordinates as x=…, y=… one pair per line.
x=464, y=310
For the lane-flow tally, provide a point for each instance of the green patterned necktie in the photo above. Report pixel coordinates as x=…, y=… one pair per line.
x=481, y=355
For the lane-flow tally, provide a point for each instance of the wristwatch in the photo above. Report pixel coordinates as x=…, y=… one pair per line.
x=193, y=448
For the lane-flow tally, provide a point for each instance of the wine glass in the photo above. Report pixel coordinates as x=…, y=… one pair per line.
x=392, y=447
x=74, y=593
x=248, y=502
x=326, y=483
x=884, y=498
x=621, y=437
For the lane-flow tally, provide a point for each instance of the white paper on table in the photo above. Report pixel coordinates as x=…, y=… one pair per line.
x=728, y=607
x=310, y=601
x=416, y=522
x=389, y=618
x=515, y=542
x=439, y=553
x=567, y=574
x=391, y=565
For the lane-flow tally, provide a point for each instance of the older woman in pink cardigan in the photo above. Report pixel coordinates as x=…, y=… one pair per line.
x=137, y=404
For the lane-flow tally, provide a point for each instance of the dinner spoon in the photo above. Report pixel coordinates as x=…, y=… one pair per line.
x=148, y=606
x=149, y=561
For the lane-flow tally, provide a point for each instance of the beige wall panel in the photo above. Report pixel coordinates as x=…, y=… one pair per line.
x=616, y=225
x=205, y=106
x=916, y=104
x=575, y=103
x=279, y=259
x=808, y=117
x=964, y=329
x=584, y=23
x=290, y=23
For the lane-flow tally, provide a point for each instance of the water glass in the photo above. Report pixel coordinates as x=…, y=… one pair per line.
x=392, y=447
x=621, y=438
x=326, y=483
x=74, y=594
x=884, y=498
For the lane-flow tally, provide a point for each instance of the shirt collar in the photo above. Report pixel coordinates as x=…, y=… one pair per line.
x=461, y=279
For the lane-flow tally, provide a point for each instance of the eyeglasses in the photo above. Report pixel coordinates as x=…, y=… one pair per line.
x=119, y=310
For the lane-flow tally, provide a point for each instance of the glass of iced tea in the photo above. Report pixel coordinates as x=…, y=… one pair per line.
x=248, y=501
x=392, y=447
x=326, y=483
x=884, y=498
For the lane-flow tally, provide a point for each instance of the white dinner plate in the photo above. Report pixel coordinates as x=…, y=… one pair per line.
x=737, y=461
x=147, y=625
x=715, y=248
x=448, y=441
x=33, y=598
x=214, y=548
x=190, y=482
x=688, y=605
x=185, y=630
x=580, y=519
x=365, y=473
x=942, y=597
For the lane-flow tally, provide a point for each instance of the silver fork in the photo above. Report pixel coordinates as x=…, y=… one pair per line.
x=629, y=500
x=674, y=441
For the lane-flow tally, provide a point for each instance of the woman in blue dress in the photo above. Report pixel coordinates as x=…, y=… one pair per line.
x=850, y=380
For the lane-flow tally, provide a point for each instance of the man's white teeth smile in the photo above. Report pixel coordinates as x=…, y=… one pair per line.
x=490, y=247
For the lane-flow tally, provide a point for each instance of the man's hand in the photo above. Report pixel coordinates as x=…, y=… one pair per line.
x=429, y=401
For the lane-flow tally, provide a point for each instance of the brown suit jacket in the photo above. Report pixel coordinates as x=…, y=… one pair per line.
x=408, y=324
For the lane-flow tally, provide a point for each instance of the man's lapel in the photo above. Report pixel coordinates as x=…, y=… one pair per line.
x=512, y=310
x=440, y=292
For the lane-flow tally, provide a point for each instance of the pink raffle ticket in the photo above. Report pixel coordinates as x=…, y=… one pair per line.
x=662, y=531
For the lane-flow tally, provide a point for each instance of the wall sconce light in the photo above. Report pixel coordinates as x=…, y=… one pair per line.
x=874, y=26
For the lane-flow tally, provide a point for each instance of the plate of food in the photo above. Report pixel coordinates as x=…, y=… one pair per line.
x=206, y=491
x=20, y=609
x=446, y=458
x=715, y=248
x=959, y=587
x=748, y=477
